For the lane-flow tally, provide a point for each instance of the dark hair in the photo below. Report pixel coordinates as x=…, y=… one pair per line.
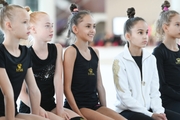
x=131, y=21
x=76, y=17
x=7, y=12
x=164, y=18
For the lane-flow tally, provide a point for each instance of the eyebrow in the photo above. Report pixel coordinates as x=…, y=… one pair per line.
x=49, y=23
x=142, y=30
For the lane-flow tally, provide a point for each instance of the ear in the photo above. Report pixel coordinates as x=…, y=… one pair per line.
x=75, y=29
x=8, y=25
x=33, y=29
x=165, y=27
x=128, y=36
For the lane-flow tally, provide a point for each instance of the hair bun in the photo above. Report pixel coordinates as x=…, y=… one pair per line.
x=131, y=12
x=73, y=7
x=3, y=2
x=27, y=8
x=165, y=4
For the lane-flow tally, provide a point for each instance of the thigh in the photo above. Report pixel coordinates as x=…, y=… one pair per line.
x=171, y=115
x=71, y=113
x=53, y=116
x=30, y=117
x=93, y=115
x=110, y=113
x=130, y=115
x=3, y=118
x=174, y=106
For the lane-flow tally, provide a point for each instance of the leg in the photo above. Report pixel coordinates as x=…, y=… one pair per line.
x=29, y=117
x=174, y=106
x=93, y=115
x=3, y=118
x=171, y=115
x=70, y=112
x=53, y=116
x=130, y=115
x=110, y=113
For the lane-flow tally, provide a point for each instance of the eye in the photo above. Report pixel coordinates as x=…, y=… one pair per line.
x=25, y=22
x=146, y=32
x=94, y=26
x=88, y=26
x=47, y=26
x=140, y=33
x=177, y=24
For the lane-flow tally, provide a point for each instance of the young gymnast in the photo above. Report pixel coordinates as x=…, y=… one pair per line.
x=168, y=56
x=83, y=86
x=15, y=64
x=136, y=77
x=47, y=68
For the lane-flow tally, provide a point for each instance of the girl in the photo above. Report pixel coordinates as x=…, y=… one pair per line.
x=168, y=56
x=135, y=76
x=15, y=65
x=82, y=79
x=47, y=68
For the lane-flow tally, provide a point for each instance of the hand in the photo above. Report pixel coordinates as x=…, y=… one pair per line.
x=160, y=116
x=64, y=115
x=43, y=113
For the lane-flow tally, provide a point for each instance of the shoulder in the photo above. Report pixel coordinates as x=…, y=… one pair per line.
x=158, y=49
x=95, y=50
x=71, y=51
x=58, y=46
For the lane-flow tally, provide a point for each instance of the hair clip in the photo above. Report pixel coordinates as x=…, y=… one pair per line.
x=75, y=10
x=165, y=8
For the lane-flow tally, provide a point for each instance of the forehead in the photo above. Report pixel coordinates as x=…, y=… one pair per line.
x=20, y=13
x=176, y=18
x=43, y=18
x=140, y=25
x=88, y=19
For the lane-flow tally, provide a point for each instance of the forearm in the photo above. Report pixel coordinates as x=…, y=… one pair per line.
x=9, y=108
x=102, y=96
x=35, y=98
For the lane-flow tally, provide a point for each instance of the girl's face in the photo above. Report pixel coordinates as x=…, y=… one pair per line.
x=139, y=34
x=20, y=24
x=86, y=29
x=43, y=28
x=173, y=29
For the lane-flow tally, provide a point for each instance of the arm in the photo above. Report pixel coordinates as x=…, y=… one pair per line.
x=164, y=87
x=100, y=87
x=58, y=82
x=8, y=93
x=34, y=93
x=24, y=95
x=122, y=88
x=156, y=102
x=69, y=59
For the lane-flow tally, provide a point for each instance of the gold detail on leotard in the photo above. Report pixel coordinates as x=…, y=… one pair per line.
x=19, y=68
x=177, y=60
x=116, y=69
x=90, y=71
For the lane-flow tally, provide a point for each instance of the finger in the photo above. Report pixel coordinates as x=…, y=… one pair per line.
x=46, y=115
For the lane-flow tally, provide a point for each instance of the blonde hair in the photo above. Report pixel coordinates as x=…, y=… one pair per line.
x=7, y=12
x=164, y=18
x=34, y=16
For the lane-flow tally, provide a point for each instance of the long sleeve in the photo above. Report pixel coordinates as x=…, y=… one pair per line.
x=123, y=90
x=156, y=102
x=164, y=86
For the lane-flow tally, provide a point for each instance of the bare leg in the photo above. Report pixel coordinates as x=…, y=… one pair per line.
x=3, y=118
x=30, y=117
x=71, y=113
x=53, y=116
x=108, y=112
x=93, y=115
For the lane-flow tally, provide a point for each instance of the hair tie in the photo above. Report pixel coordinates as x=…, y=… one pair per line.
x=75, y=10
x=165, y=8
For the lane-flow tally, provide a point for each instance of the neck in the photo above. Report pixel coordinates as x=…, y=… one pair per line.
x=11, y=43
x=134, y=50
x=83, y=45
x=171, y=43
x=39, y=46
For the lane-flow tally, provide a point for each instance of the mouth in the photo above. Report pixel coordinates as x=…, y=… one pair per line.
x=91, y=35
x=51, y=35
x=28, y=33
